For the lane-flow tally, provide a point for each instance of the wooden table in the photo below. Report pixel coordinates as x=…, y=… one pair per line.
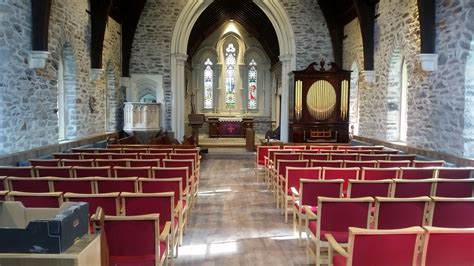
x=86, y=251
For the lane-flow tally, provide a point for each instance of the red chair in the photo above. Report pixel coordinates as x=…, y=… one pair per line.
x=315, y=156
x=328, y=163
x=396, y=213
x=109, y=202
x=107, y=185
x=175, y=185
x=262, y=151
x=345, y=174
x=178, y=172
x=455, y=173
x=135, y=240
x=360, y=164
x=335, y=216
x=379, y=173
x=29, y=184
x=376, y=247
x=321, y=148
x=292, y=181
x=184, y=163
x=109, y=150
x=135, y=150
x=102, y=171
x=96, y=156
x=346, y=148
x=448, y=246
x=23, y=171
x=294, y=147
x=406, y=188
x=160, y=150
x=186, y=156
x=60, y=171
x=369, y=188
x=37, y=200
x=153, y=156
x=84, y=150
x=347, y=157
x=85, y=185
x=111, y=162
x=454, y=188
x=67, y=156
x=75, y=162
x=133, y=172
x=417, y=173
x=416, y=163
x=392, y=164
x=3, y=183
x=373, y=157
x=307, y=197
x=162, y=203
x=144, y=163
x=452, y=212
x=401, y=157
x=48, y=162
x=280, y=177
x=115, y=156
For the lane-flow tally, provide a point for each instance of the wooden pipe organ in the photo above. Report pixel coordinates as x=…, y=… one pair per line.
x=319, y=104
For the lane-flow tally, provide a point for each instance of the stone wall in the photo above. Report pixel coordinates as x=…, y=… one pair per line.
x=151, y=45
x=313, y=41
x=29, y=96
x=436, y=103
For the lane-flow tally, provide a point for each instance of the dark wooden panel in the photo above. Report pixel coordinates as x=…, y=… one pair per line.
x=40, y=21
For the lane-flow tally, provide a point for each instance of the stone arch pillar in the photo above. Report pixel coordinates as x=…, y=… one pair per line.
x=188, y=16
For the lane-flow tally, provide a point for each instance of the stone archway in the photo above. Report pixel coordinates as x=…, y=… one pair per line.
x=188, y=16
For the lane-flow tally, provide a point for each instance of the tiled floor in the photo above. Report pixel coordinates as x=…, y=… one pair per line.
x=235, y=221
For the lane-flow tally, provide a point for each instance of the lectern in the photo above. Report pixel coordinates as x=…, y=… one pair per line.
x=319, y=104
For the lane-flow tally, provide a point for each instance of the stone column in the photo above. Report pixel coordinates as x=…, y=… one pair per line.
x=285, y=69
x=178, y=82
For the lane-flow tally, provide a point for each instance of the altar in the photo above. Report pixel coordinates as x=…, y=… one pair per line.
x=229, y=127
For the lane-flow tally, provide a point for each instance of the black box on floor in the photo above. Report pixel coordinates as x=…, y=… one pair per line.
x=41, y=230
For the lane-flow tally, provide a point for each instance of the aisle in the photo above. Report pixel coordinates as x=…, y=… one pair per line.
x=235, y=221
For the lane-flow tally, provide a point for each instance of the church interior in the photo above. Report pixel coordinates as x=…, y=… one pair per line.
x=250, y=132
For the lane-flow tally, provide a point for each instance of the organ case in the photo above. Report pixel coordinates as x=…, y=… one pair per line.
x=319, y=104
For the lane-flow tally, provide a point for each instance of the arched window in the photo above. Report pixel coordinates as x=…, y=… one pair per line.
x=208, y=85
x=230, y=62
x=61, y=110
x=252, y=93
x=403, y=101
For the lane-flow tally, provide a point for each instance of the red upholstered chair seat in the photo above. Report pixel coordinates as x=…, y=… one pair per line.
x=146, y=260
x=339, y=260
x=341, y=237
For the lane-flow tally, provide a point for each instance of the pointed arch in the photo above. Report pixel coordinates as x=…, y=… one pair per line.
x=188, y=16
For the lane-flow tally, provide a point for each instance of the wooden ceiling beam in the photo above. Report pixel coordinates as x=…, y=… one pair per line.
x=336, y=29
x=427, y=17
x=99, y=14
x=366, y=14
x=40, y=16
x=131, y=11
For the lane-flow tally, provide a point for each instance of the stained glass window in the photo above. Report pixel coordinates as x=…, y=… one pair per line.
x=230, y=62
x=252, y=100
x=208, y=82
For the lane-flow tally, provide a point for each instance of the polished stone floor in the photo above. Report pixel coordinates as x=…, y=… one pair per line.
x=235, y=221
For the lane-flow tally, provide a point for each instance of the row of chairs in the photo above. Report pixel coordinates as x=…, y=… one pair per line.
x=151, y=146
x=326, y=219
x=301, y=146
x=113, y=168
x=148, y=160
x=137, y=149
x=111, y=155
x=308, y=190
x=409, y=246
